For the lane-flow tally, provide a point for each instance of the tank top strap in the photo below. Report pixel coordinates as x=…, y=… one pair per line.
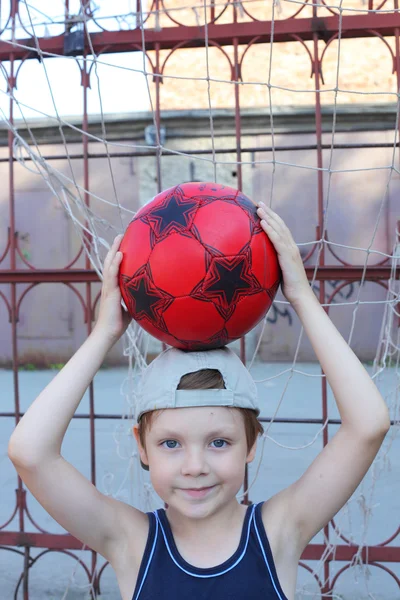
x=266, y=550
x=148, y=553
x=180, y=562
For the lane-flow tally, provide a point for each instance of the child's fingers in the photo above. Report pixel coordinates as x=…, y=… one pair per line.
x=272, y=230
x=112, y=251
x=271, y=214
x=116, y=243
x=114, y=266
x=110, y=273
x=274, y=219
x=269, y=229
x=276, y=229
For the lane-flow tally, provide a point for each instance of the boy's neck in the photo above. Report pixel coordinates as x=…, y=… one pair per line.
x=222, y=521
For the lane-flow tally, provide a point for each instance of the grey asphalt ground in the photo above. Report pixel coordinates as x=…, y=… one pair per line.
x=58, y=577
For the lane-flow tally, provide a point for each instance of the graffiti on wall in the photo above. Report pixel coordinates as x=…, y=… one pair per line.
x=276, y=313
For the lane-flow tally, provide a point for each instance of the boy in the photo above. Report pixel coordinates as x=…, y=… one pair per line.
x=196, y=442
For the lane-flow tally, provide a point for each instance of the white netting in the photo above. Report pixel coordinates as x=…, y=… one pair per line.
x=40, y=19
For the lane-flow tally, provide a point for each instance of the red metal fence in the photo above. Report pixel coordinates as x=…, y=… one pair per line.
x=239, y=35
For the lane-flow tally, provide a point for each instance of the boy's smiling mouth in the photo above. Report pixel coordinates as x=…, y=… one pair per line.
x=197, y=492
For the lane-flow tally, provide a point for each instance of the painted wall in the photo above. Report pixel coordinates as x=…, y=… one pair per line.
x=360, y=208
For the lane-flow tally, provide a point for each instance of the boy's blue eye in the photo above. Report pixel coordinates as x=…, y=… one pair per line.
x=217, y=443
x=168, y=442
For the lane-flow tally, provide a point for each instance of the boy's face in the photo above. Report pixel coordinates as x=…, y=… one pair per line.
x=192, y=448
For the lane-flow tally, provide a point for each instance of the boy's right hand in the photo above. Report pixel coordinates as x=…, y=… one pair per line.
x=113, y=320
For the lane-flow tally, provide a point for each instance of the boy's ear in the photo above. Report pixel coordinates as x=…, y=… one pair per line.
x=252, y=453
x=142, y=451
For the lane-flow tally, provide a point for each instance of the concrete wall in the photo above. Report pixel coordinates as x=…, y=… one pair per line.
x=51, y=323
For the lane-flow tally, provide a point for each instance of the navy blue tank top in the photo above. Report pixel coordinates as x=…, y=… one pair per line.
x=248, y=573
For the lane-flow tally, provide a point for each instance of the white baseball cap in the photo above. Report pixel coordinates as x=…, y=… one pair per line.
x=157, y=387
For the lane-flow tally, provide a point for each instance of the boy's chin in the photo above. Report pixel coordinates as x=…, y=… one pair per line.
x=194, y=511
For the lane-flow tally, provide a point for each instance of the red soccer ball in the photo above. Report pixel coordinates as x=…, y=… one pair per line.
x=198, y=271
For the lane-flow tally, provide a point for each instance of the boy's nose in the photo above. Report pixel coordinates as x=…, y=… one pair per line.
x=194, y=464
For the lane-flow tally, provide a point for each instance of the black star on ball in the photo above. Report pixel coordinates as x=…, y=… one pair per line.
x=145, y=299
x=229, y=281
x=175, y=215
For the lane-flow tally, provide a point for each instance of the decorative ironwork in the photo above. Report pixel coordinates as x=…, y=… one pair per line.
x=241, y=36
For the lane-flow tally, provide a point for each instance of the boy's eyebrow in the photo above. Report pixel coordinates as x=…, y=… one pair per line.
x=220, y=432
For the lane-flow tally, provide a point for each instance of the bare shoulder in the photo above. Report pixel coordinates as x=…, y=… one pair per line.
x=280, y=524
x=284, y=541
x=125, y=551
x=129, y=543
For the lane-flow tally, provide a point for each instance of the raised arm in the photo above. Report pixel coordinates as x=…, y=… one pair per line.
x=359, y=401
x=41, y=430
x=337, y=471
x=35, y=445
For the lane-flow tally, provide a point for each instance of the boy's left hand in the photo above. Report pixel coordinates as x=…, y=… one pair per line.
x=112, y=320
x=295, y=283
